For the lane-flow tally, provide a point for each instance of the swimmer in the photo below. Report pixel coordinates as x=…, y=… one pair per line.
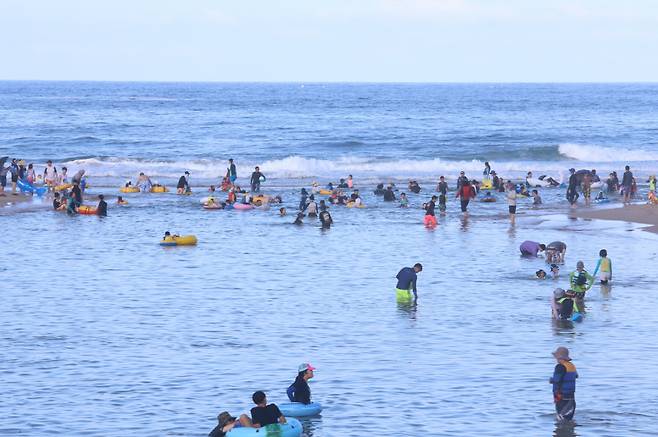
x=536, y=198
x=555, y=271
x=350, y=182
x=325, y=218
x=389, y=195
x=379, y=191
x=430, y=216
x=120, y=201
x=414, y=187
x=540, y=274
x=282, y=212
x=407, y=278
x=183, y=185
x=580, y=280
x=299, y=391
x=226, y=422
x=101, y=209
x=604, y=266
x=555, y=252
x=404, y=201
x=298, y=220
x=58, y=203
x=263, y=414
x=488, y=197
x=531, y=248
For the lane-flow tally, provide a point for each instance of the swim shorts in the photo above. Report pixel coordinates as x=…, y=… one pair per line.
x=403, y=295
x=512, y=209
x=565, y=409
x=429, y=220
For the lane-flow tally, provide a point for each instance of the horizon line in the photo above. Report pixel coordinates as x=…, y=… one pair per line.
x=339, y=82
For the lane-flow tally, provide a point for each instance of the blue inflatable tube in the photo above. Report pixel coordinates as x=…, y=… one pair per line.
x=297, y=409
x=26, y=187
x=291, y=429
x=575, y=317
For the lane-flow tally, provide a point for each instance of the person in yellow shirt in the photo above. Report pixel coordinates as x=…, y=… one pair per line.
x=604, y=267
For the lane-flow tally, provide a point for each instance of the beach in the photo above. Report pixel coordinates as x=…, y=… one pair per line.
x=105, y=332
x=644, y=214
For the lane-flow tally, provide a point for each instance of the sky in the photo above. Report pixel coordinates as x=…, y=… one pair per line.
x=330, y=40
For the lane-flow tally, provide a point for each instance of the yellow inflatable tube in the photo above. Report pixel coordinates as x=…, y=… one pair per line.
x=326, y=192
x=129, y=189
x=63, y=187
x=183, y=240
x=159, y=189
x=352, y=205
x=260, y=200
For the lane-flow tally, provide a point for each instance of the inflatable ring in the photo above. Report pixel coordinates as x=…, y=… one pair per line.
x=183, y=240
x=159, y=189
x=86, y=210
x=291, y=429
x=63, y=187
x=129, y=190
x=297, y=409
x=243, y=206
x=326, y=192
x=351, y=205
x=260, y=200
x=488, y=199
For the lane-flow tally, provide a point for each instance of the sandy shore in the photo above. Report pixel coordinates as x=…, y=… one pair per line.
x=645, y=214
x=9, y=199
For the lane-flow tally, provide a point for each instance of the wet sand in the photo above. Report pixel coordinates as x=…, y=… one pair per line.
x=10, y=199
x=644, y=214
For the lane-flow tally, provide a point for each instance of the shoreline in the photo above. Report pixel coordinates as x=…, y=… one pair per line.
x=639, y=213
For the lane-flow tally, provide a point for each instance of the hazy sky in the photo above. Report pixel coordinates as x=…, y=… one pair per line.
x=330, y=40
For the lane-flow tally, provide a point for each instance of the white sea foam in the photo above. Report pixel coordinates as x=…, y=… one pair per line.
x=294, y=167
x=593, y=153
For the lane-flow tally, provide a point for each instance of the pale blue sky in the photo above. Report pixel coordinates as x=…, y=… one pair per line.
x=333, y=40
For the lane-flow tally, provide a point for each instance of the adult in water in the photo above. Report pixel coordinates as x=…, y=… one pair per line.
x=231, y=171
x=564, y=385
x=256, y=178
x=183, y=185
x=299, y=391
x=430, y=216
x=263, y=414
x=226, y=422
x=407, y=278
x=531, y=248
x=572, y=189
x=325, y=217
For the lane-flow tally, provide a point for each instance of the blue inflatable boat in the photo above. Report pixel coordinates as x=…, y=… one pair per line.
x=297, y=409
x=26, y=187
x=291, y=429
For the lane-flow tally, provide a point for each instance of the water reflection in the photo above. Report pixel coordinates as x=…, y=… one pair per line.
x=565, y=429
x=407, y=307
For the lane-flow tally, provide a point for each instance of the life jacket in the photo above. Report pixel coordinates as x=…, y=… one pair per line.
x=566, y=307
x=566, y=387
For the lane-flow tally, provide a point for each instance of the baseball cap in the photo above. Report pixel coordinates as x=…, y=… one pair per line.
x=304, y=367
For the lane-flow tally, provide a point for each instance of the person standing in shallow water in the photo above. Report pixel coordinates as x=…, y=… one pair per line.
x=564, y=385
x=407, y=278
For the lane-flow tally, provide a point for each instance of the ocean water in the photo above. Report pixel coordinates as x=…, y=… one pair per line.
x=105, y=333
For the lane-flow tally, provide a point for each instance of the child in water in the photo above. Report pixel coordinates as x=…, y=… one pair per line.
x=120, y=201
x=404, y=202
x=442, y=204
x=605, y=267
x=536, y=198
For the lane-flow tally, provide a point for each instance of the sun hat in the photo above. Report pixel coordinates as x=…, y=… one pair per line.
x=562, y=353
x=304, y=367
x=225, y=418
